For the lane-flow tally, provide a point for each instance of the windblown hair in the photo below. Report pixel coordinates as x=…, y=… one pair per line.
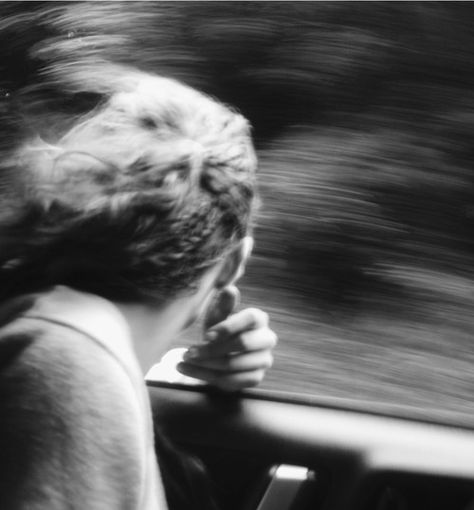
x=135, y=201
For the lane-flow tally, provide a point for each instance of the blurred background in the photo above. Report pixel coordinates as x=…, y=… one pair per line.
x=363, y=117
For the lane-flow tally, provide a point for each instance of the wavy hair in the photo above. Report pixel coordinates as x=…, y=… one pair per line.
x=135, y=201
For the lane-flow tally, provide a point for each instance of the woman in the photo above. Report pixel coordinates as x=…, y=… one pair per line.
x=113, y=240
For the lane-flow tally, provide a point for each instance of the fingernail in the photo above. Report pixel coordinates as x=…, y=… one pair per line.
x=210, y=336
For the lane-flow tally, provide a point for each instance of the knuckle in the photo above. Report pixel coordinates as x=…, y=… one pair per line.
x=258, y=317
x=272, y=339
x=244, y=342
x=257, y=377
x=268, y=363
x=253, y=379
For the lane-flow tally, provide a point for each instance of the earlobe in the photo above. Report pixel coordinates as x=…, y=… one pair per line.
x=234, y=264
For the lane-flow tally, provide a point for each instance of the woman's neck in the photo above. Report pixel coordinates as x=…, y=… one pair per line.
x=152, y=330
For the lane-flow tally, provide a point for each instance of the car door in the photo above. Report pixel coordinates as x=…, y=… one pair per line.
x=269, y=450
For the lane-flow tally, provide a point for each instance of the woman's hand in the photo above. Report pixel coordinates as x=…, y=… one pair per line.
x=237, y=348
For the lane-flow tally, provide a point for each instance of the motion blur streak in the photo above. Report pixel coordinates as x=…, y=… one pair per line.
x=363, y=114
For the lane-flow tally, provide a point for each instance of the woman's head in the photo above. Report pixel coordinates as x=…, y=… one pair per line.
x=134, y=202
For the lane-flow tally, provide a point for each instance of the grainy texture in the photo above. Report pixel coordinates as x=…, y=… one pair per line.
x=363, y=115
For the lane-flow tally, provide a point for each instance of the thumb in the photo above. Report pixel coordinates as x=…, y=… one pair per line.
x=222, y=306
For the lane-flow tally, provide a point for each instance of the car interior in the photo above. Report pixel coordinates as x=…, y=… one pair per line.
x=267, y=450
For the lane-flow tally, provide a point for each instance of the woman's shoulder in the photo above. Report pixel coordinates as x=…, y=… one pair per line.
x=69, y=405
x=69, y=323
x=63, y=341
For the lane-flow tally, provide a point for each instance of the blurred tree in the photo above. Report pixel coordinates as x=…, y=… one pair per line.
x=363, y=115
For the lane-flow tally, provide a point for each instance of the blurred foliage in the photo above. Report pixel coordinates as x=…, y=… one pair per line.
x=363, y=115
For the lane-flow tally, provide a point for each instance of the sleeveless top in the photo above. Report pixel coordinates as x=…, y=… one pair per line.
x=76, y=428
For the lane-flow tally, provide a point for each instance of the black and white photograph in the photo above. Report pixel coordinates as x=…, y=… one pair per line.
x=236, y=255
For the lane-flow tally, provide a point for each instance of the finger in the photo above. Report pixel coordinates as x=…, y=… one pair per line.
x=240, y=380
x=248, y=341
x=251, y=361
x=248, y=319
x=230, y=382
x=222, y=306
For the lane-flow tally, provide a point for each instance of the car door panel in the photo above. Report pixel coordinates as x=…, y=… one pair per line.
x=358, y=460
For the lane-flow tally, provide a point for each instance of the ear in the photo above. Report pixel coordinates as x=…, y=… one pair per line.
x=234, y=264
